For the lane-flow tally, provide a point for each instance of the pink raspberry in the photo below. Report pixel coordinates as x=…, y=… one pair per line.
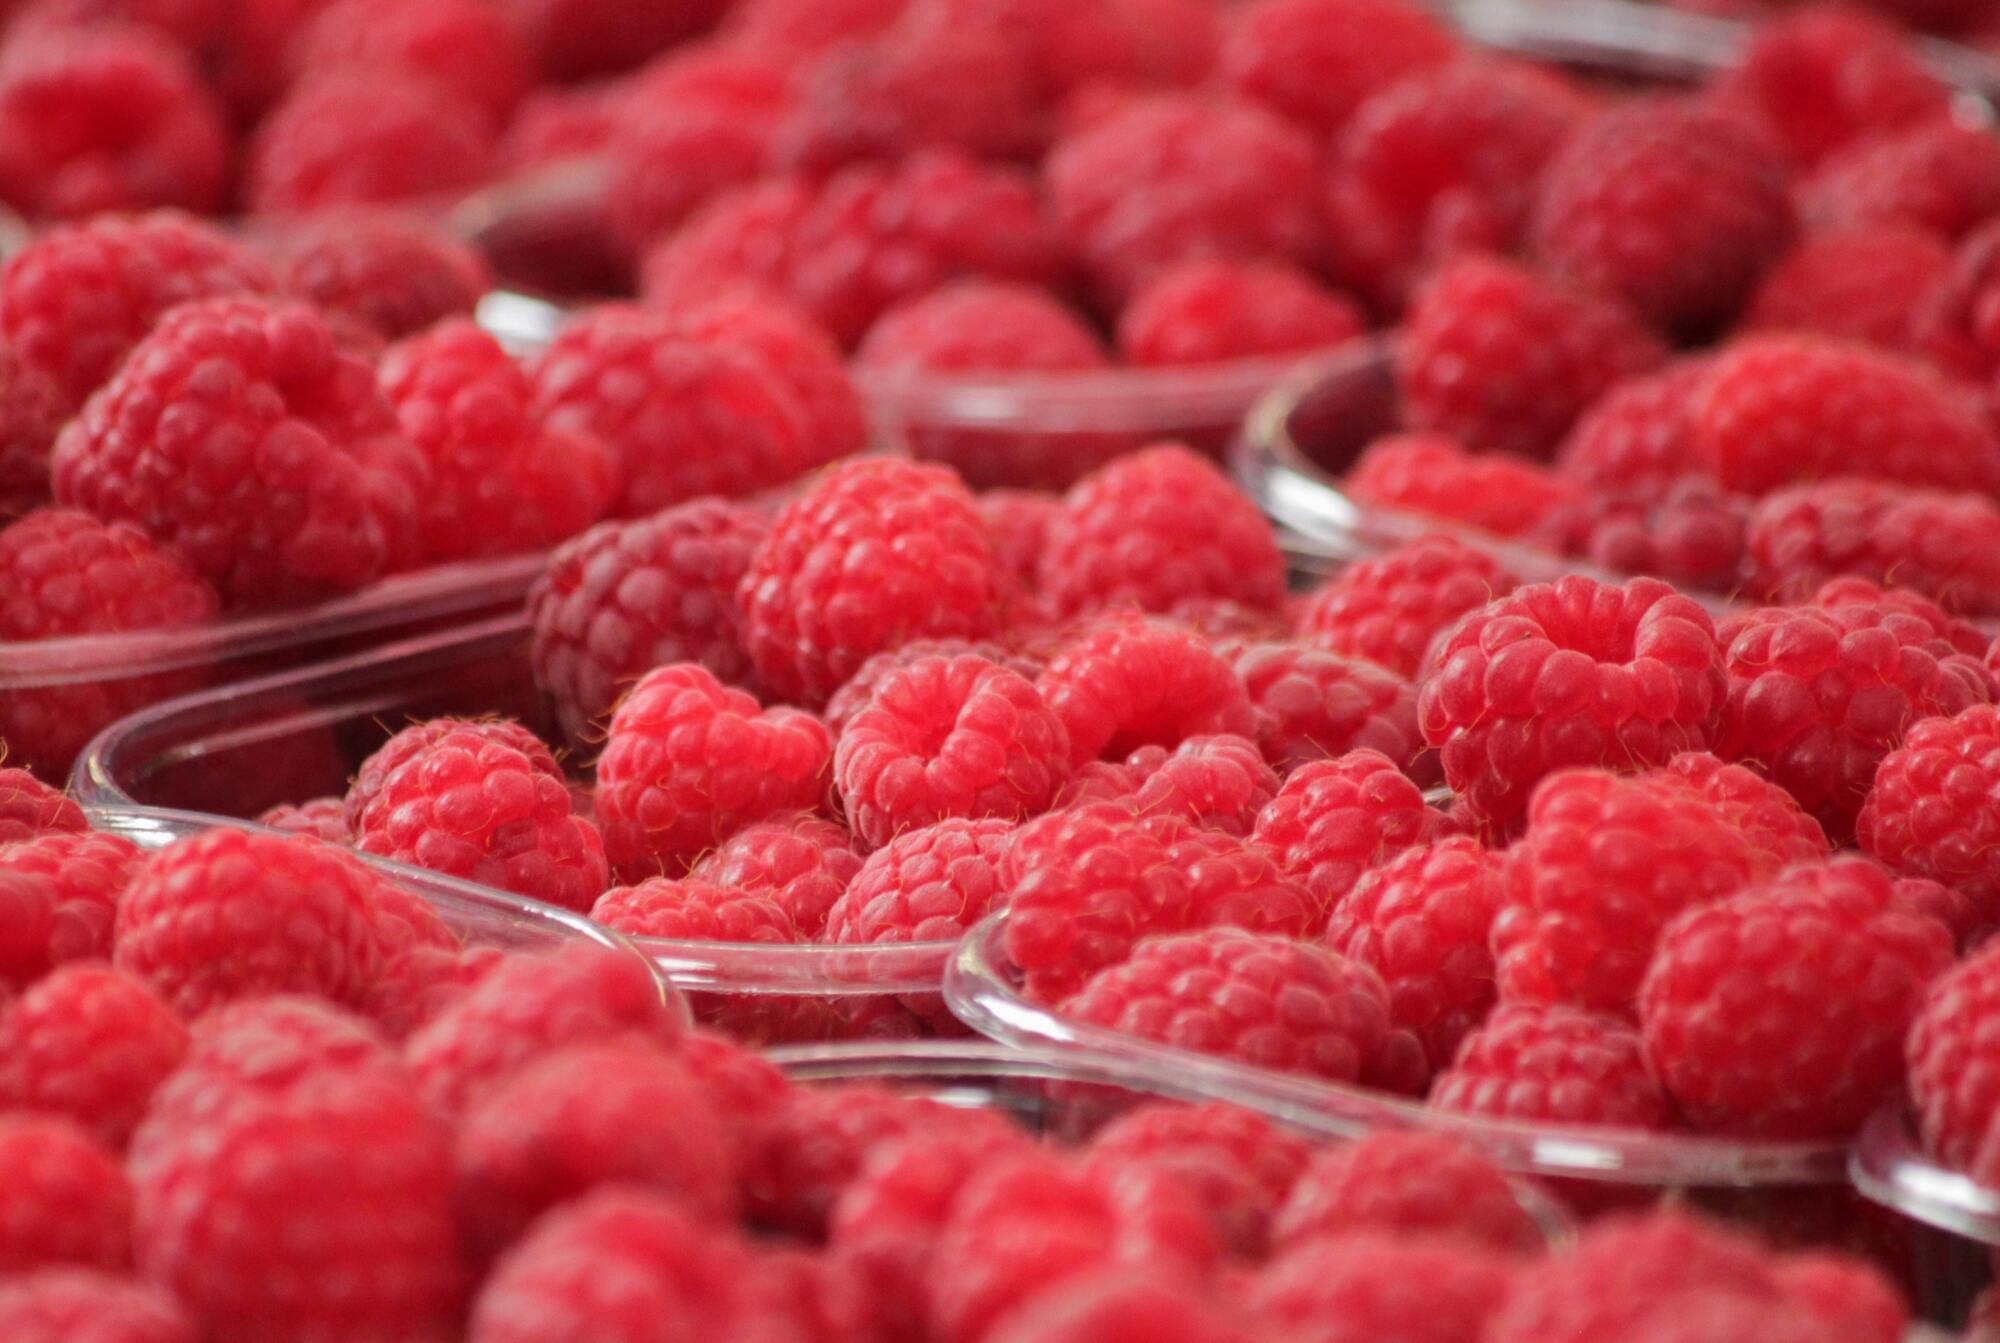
x=1335, y=819
x=1176, y=178
x=1389, y=609
x=393, y=273
x=693, y=910
x=1781, y=1012
x=1574, y=672
x=1242, y=1163
x=871, y=555
x=30, y=808
x=466, y=48
x=90, y=1044
x=927, y=885
x=1409, y=1184
x=321, y=817
x=1865, y=282
x=1216, y=783
x=1379, y=1286
x=856, y=692
x=1637, y=438
x=1435, y=478
x=68, y=887
x=804, y=863
x=1930, y=541
x=68, y=1202
x=32, y=411
x=1948, y=632
x=1317, y=61
x=1503, y=359
x=1926, y=813
x=1129, y=681
x=1939, y=176
x=1769, y=817
x=1210, y=312
x=62, y=1305
x=1690, y=533
x=800, y=355
x=412, y=741
x=361, y=137
x=1554, y=1065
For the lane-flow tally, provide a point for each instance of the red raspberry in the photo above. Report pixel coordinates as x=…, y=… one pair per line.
x=1927, y=813
x=1408, y=1184
x=1866, y=282
x=1441, y=162
x=71, y=1305
x=390, y=272
x=1018, y=523
x=1241, y=1163
x=1956, y=326
x=90, y=1044
x=1210, y=312
x=1502, y=360
x=1227, y=623
x=1389, y=609
x=1215, y=783
x=1422, y=920
x=1156, y=528
x=694, y=910
x=1128, y=682
x=1781, y=1012
x=75, y=299
x=192, y=25
x=137, y=129
x=805, y=28
x=873, y=554
x=689, y=762
x=1950, y=1051
x=1636, y=439
x=1117, y=1304
x=1769, y=817
x=1434, y=477
x=1266, y=1001
x=1690, y=532
x=1223, y=881
x=413, y=741
x=800, y=355
x=1317, y=61
x=296, y=1186
x=927, y=885
x=321, y=817
x=1727, y=1317
x=239, y=435
x=584, y=1117
x=468, y=49
x=803, y=863
x=1343, y=1289
x=76, y=881
x=530, y=1005
x=1176, y=178
x=1846, y=1293
x=1930, y=541
x=32, y=411
x=1778, y=409
x=1819, y=695
x=1948, y=633
x=1574, y=672
x=67, y=1200
x=359, y=137
x=575, y=39
x=1941, y=177
x=30, y=808
x=1335, y=819
x=1671, y=205
x=855, y=693
x=1554, y=1065
x=743, y=1086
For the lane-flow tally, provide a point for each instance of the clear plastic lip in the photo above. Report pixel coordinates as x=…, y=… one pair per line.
x=1890, y=1167
x=981, y=991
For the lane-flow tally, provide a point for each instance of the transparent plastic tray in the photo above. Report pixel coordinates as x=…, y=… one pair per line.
x=1890, y=1167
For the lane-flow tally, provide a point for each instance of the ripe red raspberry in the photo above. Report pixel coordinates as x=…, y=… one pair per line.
x=1502, y=359
x=804, y=28
x=1209, y=312
x=88, y=1043
x=1317, y=61
x=1848, y=1293
x=1129, y=681
x=800, y=356
x=1941, y=177
x=1155, y=528
x=1176, y=178
x=67, y=1305
x=1947, y=633
x=1554, y=1065
x=1388, y=609
x=1216, y=783
x=290, y=1182
x=70, y=886
x=1955, y=327
x=693, y=910
x=1636, y=438
x=1315, y=705
x=1781, y=1011
x=584, y=1117
x=1867, y=282
x=927, y=885
x=577, y=39
x=1410, y=1184
x=468, y=49
x=1266, y=1001
x=1381, y=1286
x=29, y=808
x=855, y=693
x=1930, y=541
x=1950, y=1051
x=75, y=299
x=804, y=863
x=1819, y=695
x=1422, y=921
x=360, y=137
x=138, y=130
x=873, y=554
x=1335, y=819
x=1673, y=206
x=1769, y=817
x=67, y=1200
x=1778, y=409
x=1927, y=812
x=1432, y=476
x=1690, y=532
x=392, y=273
x=1120, y=1304
x=689, y=762
x=1574, y=672
x=32, y=410
x=237, y=434
x=1442, y=162
x=412, y=741
x=1242, y=1164
x=321, y=817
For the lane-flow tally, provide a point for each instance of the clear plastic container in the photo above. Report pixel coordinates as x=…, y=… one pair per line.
x=1952, y=1218
x=240, y=750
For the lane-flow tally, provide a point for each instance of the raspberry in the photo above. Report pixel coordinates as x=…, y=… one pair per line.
x=76, y=299
x=1778, y=409
x=1317, y=61
x=1926, y=813
x=392, y=273
x=500, y=482
x=1441, y=162
x=1335, y=819
x=1636, y=438
x=79, y=880
x=1946, y=633
x=1673, y=206
x=1210, y=312
x=1434, y=477
x=1502, y=359
x=1574, y=672
x=1955, y=326
x=1781, y=1012
x=1556, y=1065
x=743, y=1086
x=1410, y=1184
x=30, y=808
x=1726, y=1317
x=32, y=411
x=89, y=1044
x=1241, y=1163
x=855, y=693
x=1949, y=1052
x=575, y=39
x=413, y=741
x=927, y=885
x=65, y=1305
x=873, y=554
x=989, y=328
x=1929, y=541
x=137, y=128
x=1216, y=783
x=67, y=1200
x=1128, y=682
x=1099, y=1307
x=804, y=28
x=1226, y=623
x=360, y=137
x=294, y=1185
x=1867, y=282
x=321, y=817
x=1846, y=1292
x=1127, y=536
x=801, y=356
x=801, y=862
x=468, y=49
x=1941, y=177
x=1817, y=696
x=1177, y=178
x=1769, y=817
x=1262, y=1000
x=626, y=597
x=528, y=1006
x=689, y=762
x=1389, y=609
x=1344, y=1289
x=584, y=1117
x=192, y=25
x=1690, y=532
x=1018, y=523
x=238, y=435
x=1422, y=920
x=693, y=910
